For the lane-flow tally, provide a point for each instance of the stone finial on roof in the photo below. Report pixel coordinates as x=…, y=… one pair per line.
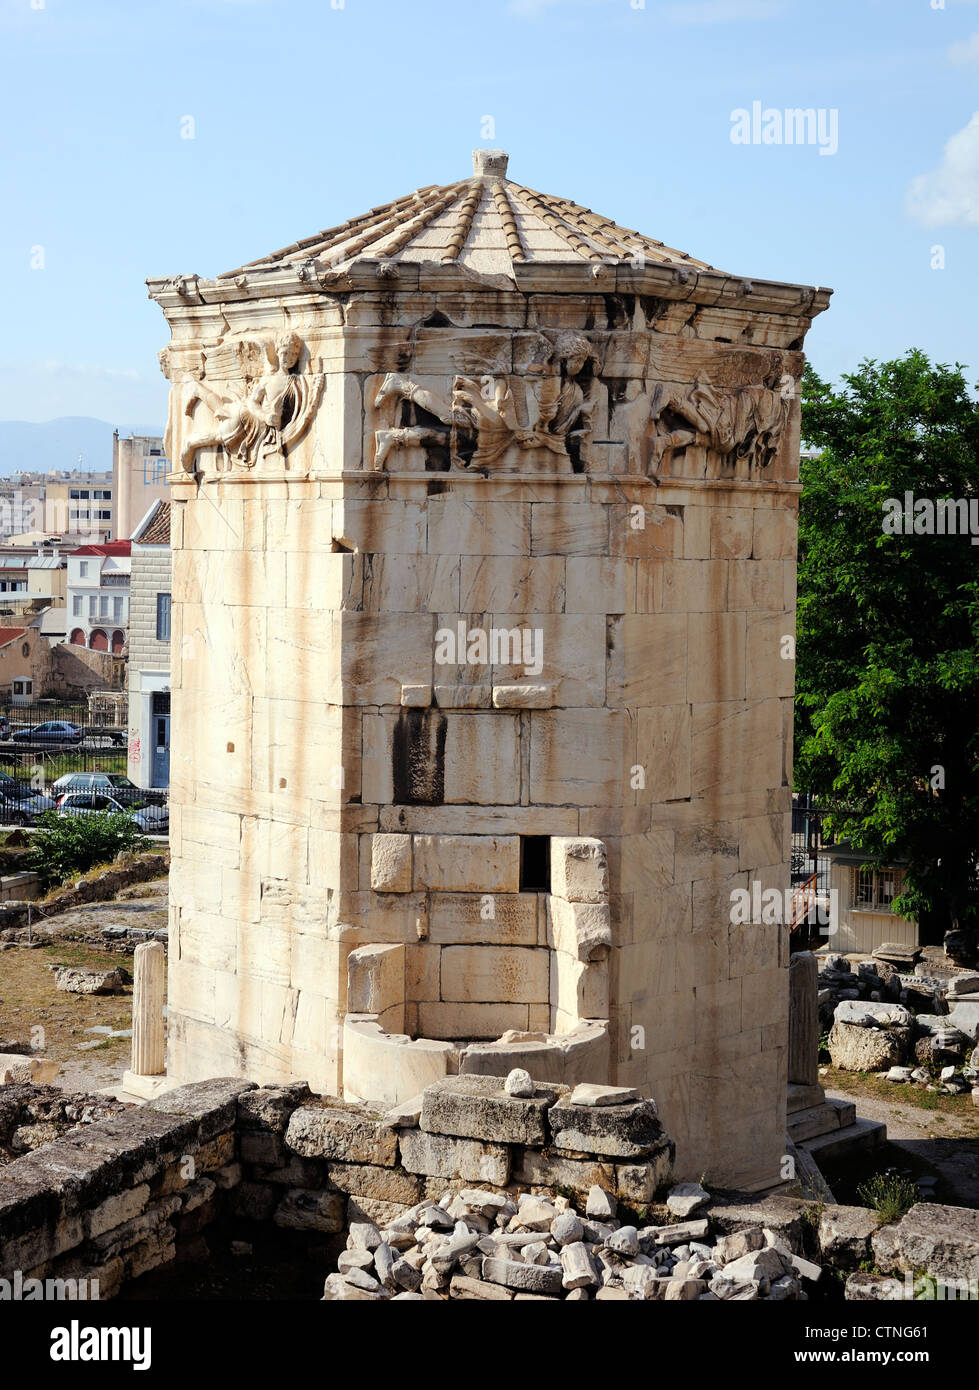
x=490, y=164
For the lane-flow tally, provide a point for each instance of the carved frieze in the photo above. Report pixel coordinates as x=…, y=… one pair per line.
x=537, y=421
x=739, y=428
x=247, y=399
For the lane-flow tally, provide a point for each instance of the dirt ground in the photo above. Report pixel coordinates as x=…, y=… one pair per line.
x=928, y=1132
x=29, y=1000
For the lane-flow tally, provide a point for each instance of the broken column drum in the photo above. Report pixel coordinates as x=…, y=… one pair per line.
x=484, y=518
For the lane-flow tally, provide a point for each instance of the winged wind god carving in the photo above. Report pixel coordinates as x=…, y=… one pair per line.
x=494, y=421
x=260, y=404
x=743, y=425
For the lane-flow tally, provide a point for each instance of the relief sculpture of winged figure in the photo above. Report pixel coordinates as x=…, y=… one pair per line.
x=479, y=420
x=267, y=414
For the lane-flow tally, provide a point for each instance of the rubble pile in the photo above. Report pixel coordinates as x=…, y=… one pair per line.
x=487, y=1245
x=915, y=1028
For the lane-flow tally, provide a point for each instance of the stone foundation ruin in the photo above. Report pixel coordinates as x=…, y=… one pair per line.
x=484, y=1188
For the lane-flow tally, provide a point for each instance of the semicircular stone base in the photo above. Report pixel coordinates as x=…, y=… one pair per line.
x=385, y=1068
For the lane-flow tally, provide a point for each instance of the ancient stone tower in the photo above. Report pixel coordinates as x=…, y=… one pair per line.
x=484, y=554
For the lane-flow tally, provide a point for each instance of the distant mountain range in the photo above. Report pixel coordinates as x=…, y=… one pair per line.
x=28, y=447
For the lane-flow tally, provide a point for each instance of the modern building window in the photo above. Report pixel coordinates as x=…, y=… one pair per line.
x=117, y=609
x=92, y=607
x=83, y=569
x=76, y=605
x=875, y=889
x=163, y=617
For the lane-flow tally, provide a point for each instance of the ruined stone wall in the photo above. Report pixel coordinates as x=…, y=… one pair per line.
x=110, y=1200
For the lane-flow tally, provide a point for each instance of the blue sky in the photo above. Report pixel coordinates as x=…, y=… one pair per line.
x=306, y=112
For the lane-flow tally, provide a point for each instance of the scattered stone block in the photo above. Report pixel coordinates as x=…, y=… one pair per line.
x=587, y=1093
x=404, y=1115
x=878, y=1288
x=16, y=1069
x=475, y=1106
x=519, y=1083
x=629, y=1130
x=541, y=1279
x=601, y=1205
x=844, y=1234
x=864, y=1014
x=76, y=979
x=318, y=1131
x=567, y=1229
x=462, y=1287
x=853, y=1047
x=686, y=1198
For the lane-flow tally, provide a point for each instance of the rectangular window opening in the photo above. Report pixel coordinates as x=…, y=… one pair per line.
x=535, y=863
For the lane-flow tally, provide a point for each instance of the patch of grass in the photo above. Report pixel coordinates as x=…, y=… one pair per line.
x=812, y=1214
x=63, y=953
x=860, y=1083
x=890, y=1196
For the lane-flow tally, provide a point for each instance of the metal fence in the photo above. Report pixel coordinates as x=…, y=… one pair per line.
x=52, y=748
x=807, y=857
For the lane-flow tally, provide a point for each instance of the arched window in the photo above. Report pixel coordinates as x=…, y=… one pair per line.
x=118, y=641
x=77, y=637
x=98, y=642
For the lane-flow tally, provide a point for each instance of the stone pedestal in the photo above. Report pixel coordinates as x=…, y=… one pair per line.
x=147, y=1074
x=803, y=1020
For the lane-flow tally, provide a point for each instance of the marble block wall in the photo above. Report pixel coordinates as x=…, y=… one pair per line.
x=338, y=783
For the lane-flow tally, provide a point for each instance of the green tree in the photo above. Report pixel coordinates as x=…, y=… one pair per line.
x=67, y=845
x=888, y=630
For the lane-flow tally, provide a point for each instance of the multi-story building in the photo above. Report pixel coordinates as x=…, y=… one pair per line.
x=149, y=650
x=76, y=507
x=85, y=502
x=32, y=578
x=98, y=595
x=139, y=478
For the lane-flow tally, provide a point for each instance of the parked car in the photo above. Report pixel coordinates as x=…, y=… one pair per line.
x=20, y=803
x=115, y=782
x=152, y=820
x=4, y=727
x=52, y=731
x=117, y=737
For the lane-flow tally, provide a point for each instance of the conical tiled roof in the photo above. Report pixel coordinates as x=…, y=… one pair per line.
x=486, y=223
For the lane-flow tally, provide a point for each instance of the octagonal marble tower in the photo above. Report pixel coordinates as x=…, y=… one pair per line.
x=484, y=553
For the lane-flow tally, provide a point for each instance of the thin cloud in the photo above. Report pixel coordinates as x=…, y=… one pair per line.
x=948, y=195
x=964, y=52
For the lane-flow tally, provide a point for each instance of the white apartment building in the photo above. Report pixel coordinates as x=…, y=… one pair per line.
x=98, y=596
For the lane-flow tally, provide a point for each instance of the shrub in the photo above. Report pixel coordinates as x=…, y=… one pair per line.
x=889, y=1194
x=67, y=845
